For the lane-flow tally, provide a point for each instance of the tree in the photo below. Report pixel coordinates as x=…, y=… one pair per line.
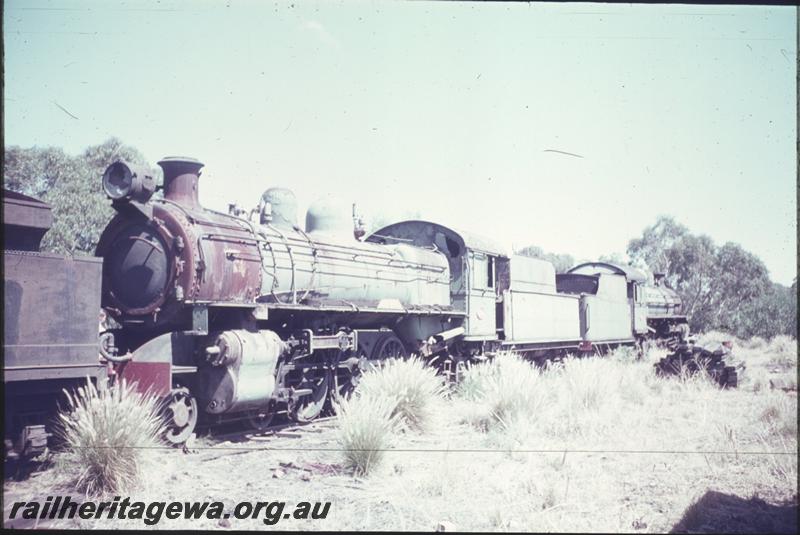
x=656, y=240
x=72, y=187
x=34, y=171
x=562, y=262
x=613, y=258
x=725, y=287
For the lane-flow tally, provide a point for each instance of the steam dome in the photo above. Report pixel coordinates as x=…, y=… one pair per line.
x=329, y=216
x=284, y=206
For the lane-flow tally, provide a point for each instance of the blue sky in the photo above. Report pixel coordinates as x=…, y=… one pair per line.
x=449, y=110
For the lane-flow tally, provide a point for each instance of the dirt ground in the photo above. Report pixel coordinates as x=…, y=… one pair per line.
x=645, y=467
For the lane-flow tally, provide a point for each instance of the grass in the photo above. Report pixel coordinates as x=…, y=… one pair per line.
x=107, y=433
x=783, y=351
x=764, y=360
x=592, y=444
x=366, y=425
x=778, y=413
x=416, y=389
x=400, y=395
x=500, y=391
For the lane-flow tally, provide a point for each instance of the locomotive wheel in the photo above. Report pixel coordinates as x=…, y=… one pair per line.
x=346, y=375
x=308, y=407
x=180, y=416
x=389, y=346
x=260, y=419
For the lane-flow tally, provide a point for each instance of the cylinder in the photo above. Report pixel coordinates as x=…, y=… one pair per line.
x=240, y=374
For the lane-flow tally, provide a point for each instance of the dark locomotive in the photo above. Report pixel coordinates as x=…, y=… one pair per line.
x=244, y=315
x=50, y=324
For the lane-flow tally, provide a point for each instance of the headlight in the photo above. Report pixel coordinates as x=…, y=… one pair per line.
x=118, y=180
x=122, y=180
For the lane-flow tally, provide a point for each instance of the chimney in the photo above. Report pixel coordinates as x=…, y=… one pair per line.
x=181, y=177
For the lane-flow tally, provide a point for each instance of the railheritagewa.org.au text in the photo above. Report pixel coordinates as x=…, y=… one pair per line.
x=151, y=513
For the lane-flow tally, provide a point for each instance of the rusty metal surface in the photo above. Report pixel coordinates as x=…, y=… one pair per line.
x=185, y=254
x=50, y=315
x=179, y=256
x=154, y=363
x=181, y=180
x=150, y=377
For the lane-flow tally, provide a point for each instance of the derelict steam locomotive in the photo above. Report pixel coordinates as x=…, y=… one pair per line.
x=239, y=317
x=242, y=315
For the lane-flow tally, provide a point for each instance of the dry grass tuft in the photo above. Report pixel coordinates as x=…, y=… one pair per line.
x=502, y=391
x=779, y=414
x=625, y=354
x=108, y=434
x=782, y=350
x=590, y=381
x=401, y=394
x=416, y=389
x=783, y=466
x=366, y=425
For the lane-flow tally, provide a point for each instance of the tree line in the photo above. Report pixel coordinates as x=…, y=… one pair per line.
x=723, y=287
x=71, y=185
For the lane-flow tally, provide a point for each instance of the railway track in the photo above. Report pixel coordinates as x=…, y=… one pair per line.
x=213, y=446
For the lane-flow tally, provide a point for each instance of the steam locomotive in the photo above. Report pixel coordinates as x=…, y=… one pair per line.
x=244, y=315
x=239, y=316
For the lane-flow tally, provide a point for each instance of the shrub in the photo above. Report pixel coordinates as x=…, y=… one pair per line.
x=504, y=390
x=715, y=337
x=415, y=388
x=365, y=430
x=782, y=352
x=757, y=379
x=755, y=343
x=108, y=433
x=625, y=354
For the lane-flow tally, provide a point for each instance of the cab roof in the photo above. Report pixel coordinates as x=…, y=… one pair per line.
x=422, y=233
x=593, y=268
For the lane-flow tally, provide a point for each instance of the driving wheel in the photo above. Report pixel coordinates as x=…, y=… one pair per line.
x=388, y=346
x=347, y=374
x=308, y=406
x=180, y=416
x=261, y=418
